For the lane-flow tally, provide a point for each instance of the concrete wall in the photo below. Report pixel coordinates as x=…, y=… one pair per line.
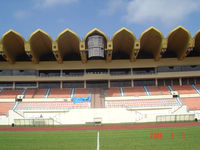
x=107, y=115
x=4, y=120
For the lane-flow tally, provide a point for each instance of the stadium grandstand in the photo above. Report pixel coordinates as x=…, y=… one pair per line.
x=99, y=79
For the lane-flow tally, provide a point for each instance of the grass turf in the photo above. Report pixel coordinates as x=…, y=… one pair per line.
x=138, y=139
x=48, y=140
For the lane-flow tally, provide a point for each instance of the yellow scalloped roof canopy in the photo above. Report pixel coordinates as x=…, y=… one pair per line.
x=40, y=42
x=123, y=40
x=152, y=29
x=151, y=40
x=178, y=39
x=13, y=32
x=197, y=41
x=124, y=30
x=68, y=41
x=13, y=43
x=179, y=29
x=66, y=31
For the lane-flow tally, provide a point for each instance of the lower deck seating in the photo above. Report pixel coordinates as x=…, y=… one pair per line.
x=154, y=90
x=192, y=103
x=185, y=89
x=134, y=91
x=5, y=107
x=80, y=92
x=29, y=93
x=164, y=90
x=198, y=86
x=39, y=93
x=51, y=105
x=59, y=93
x=10, y=93
x=113, y=92
x=141, y=103
x=85, y=92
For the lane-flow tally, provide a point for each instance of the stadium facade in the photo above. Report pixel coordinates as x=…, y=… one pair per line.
x=122, y=79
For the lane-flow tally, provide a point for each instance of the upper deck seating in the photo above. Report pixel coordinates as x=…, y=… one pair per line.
x=192, y=103
x=113, y=92
x=141, y=103
x=29, y=93
x=198, y=86
x=51, y=105
x=59, y=93
x=164, y=90
x=134, y=91
x=10, y=93
x=154, y=90
x=184, y=89
x=80, y=92
x=39, y=93
x=5, y=107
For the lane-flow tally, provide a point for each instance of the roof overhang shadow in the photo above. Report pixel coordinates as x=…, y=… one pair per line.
x=123, y=44
x=68, y=45
x=151, y=42
x=179, y=41
x=41, y=45
x=196, y=50
x=13, y=46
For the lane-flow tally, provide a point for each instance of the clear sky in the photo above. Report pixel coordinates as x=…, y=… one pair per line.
x=53, y=16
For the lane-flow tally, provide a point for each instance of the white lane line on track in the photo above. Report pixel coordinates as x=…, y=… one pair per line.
x=98, y=140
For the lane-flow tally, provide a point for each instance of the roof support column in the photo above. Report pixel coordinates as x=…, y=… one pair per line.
x=132, y=83
x=85, y=84
x=109, y=51
x=1, y=47
x=108, y=83
x=156, y=81
x=30, y=54
x=13, y=85
x=189, y=48
x=6, y=55
x=135, y=51
x=61, y=84
x=56, y=52
x=1, y=51
x=163, y=49
x=180, y=81
x=83, y=52
x=37, y=84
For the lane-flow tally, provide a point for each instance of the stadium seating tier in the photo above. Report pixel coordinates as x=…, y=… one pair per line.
x=50, y=105
x=192, y=103
x=10, y=94
x=134, y=91
x=5, y=107
x=184, y=89
x=141, y=103
x=59, y=93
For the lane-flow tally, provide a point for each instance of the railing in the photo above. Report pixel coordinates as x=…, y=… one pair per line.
x=174, y=118
x=34, y=122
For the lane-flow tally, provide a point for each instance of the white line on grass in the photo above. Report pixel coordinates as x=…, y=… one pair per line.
x=98, y=140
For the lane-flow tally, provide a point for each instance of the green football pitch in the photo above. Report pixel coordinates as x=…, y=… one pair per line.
x=182, y=138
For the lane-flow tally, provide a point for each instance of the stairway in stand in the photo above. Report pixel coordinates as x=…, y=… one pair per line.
x=98, y=98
